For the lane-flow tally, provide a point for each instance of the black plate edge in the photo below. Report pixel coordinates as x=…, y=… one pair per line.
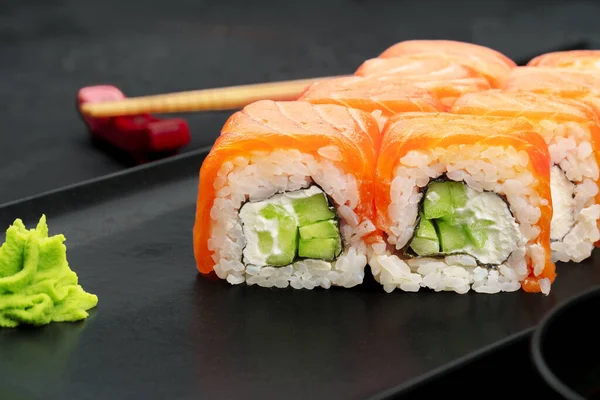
x=81, y=194
x=406, y=387
x=536, y=343
x=170, y=169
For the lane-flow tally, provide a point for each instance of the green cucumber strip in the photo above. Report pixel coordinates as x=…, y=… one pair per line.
x=265, y=241
x=273, y=211
x=275, y=226
x=323, y=229
x=280, y=260
x=458, y=193
x=477, y=232
x=438, y=201
x=287, y=234
x=426, y=230
x=325, y=249
x=425, y=247
x=452, y=237
x=455, y=219
x=312, y=209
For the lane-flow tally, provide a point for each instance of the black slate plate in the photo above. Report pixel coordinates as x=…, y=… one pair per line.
x=163, y=331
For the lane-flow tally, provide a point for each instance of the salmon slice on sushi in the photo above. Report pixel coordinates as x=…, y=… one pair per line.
x=381, y=98
x=572, y=59
x=463, y=203
x=492, y=64
x=572, y=133
x=286, y=196
x=435, y=66
x=447, y=81
x=583, y=86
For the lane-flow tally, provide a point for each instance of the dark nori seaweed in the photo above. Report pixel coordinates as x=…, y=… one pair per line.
x=331, y=205
x=407, y=251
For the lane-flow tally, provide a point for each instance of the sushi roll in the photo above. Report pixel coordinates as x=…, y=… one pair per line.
x=492, y=64
x=583, y=86
x=435, y=66
x=380, y=98
x=446, y=80
x=572, y=133
x=573, y=59
x=462, y=203
x=285, y=196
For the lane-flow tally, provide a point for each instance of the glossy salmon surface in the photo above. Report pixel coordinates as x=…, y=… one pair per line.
x=492, y=64
x=423, y=131
x=372, y=95
x=265, y=126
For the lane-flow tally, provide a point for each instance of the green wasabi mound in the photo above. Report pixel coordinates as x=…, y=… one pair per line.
x=37, y=286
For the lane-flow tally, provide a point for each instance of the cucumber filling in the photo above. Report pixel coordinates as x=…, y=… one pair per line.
x=290, y=226
x=455, y=219
x=563, y=204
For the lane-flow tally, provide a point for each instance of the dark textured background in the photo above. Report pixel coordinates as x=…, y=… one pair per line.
x=49, y=49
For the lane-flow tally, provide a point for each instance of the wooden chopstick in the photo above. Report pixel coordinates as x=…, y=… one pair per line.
x=218, y=99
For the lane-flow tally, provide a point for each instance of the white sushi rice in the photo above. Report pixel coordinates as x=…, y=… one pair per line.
x=570, y=148
x=502, y=170
x=260, y=176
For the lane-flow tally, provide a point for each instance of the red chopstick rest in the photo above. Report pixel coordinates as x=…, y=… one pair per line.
x=141, y=136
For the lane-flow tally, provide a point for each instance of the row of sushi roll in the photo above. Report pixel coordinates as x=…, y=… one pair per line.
x=439, y=165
